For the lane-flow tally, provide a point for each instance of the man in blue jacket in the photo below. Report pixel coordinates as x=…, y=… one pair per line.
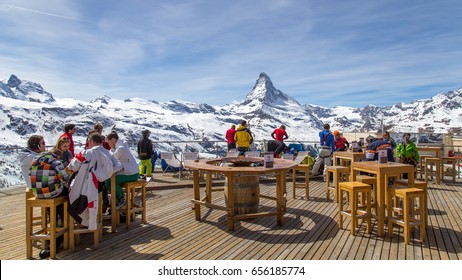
x=327, y=146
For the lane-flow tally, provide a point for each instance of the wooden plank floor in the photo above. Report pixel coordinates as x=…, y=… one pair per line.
x=309, y=231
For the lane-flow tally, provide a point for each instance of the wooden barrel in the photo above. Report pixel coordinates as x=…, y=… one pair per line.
x=246, y=194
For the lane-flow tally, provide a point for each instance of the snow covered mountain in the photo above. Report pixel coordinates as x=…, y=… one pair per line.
x=26, y=109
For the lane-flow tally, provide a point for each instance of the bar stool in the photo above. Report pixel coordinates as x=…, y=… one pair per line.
x=451, y=161
x=131, y=207
x=75, y=229
x=404, y=183
x=337, y=172
x=370, y=180
x=306, y=169
x=356, y=212
x=430, y=172
x=421, y=166
x=48, y=228
x=408, y=219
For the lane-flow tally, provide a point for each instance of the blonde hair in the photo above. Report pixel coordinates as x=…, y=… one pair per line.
x=59, y=143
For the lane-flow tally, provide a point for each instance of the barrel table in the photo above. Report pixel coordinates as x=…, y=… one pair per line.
x=236, y=171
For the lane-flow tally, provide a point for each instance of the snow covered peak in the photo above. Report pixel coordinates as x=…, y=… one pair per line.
x=24, y=90
x=265, y=93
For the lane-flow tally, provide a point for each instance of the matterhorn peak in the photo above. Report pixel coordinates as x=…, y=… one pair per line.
x=265, y=93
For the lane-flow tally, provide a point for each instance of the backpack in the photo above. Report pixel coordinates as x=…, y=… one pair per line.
x=47, y=175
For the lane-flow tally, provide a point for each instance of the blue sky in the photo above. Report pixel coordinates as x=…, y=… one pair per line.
x=328, y=53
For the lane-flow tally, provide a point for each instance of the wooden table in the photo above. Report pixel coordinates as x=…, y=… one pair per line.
x=348, y=156
x=212, y=166
x=433, y=149
x=382, y=171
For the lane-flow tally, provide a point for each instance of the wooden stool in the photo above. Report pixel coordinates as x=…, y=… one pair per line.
x=74, y=233
x=429, y=172
x=356, y=211
x=404, y=183
x=408, y=219
x=306, y=169
x=337, y=172
x=131, y=207
x=370, y=180
x=48, y=229
x=421, y=166
x=451, y=161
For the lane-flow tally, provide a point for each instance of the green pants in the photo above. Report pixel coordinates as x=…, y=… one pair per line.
x=148, y=164
x=119, y=180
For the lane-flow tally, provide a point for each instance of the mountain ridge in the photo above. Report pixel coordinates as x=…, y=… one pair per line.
x=26, y=109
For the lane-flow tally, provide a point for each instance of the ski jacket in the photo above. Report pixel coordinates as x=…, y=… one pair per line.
x=326, y=138
x=145, y=149
x=407, y=151
x=128, y=161
x=26, y=157
x=279, y=134
x=230, y=135
x=93, y=166
x=47, y=176
x=243, y=137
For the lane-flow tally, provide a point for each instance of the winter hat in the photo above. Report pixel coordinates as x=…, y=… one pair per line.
x=233, y=126
x=336, y=133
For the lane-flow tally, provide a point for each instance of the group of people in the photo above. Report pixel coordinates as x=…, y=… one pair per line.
x=80, y=176
x=330, y=142
x=241, y=138
x=406, y=151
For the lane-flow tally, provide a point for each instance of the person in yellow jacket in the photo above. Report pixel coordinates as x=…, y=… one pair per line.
x=243, y=137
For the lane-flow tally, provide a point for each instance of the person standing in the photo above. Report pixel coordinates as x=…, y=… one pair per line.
x=230, y=137
x=243, y=137
x=279, y=135
x=69, y=130
x=145, y=151
x=326, y=140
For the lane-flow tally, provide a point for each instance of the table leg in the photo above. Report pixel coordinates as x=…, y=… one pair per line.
x=114, y=211
x=197, y=207
x=230, y=203
x=280, y=197
x=307, y=182
x=382, y=185
x=208, y=188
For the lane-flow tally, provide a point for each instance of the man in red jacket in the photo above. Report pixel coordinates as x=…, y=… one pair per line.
x=69, y=130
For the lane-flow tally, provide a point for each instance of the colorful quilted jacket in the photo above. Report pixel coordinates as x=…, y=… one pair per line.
x=48, y=176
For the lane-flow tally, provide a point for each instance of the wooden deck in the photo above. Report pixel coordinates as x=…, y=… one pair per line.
x=309, y=231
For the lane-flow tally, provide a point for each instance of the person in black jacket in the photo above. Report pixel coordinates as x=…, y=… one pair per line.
x=145, y=152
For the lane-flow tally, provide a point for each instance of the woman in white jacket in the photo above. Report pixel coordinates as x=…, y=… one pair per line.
x=130, y=169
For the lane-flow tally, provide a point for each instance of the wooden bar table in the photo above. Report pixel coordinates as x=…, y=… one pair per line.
x=432, y=149
x=209, y=167
x=382, y=172
x=348, y=156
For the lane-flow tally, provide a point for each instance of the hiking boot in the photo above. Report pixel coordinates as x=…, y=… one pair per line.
x=44, y=254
